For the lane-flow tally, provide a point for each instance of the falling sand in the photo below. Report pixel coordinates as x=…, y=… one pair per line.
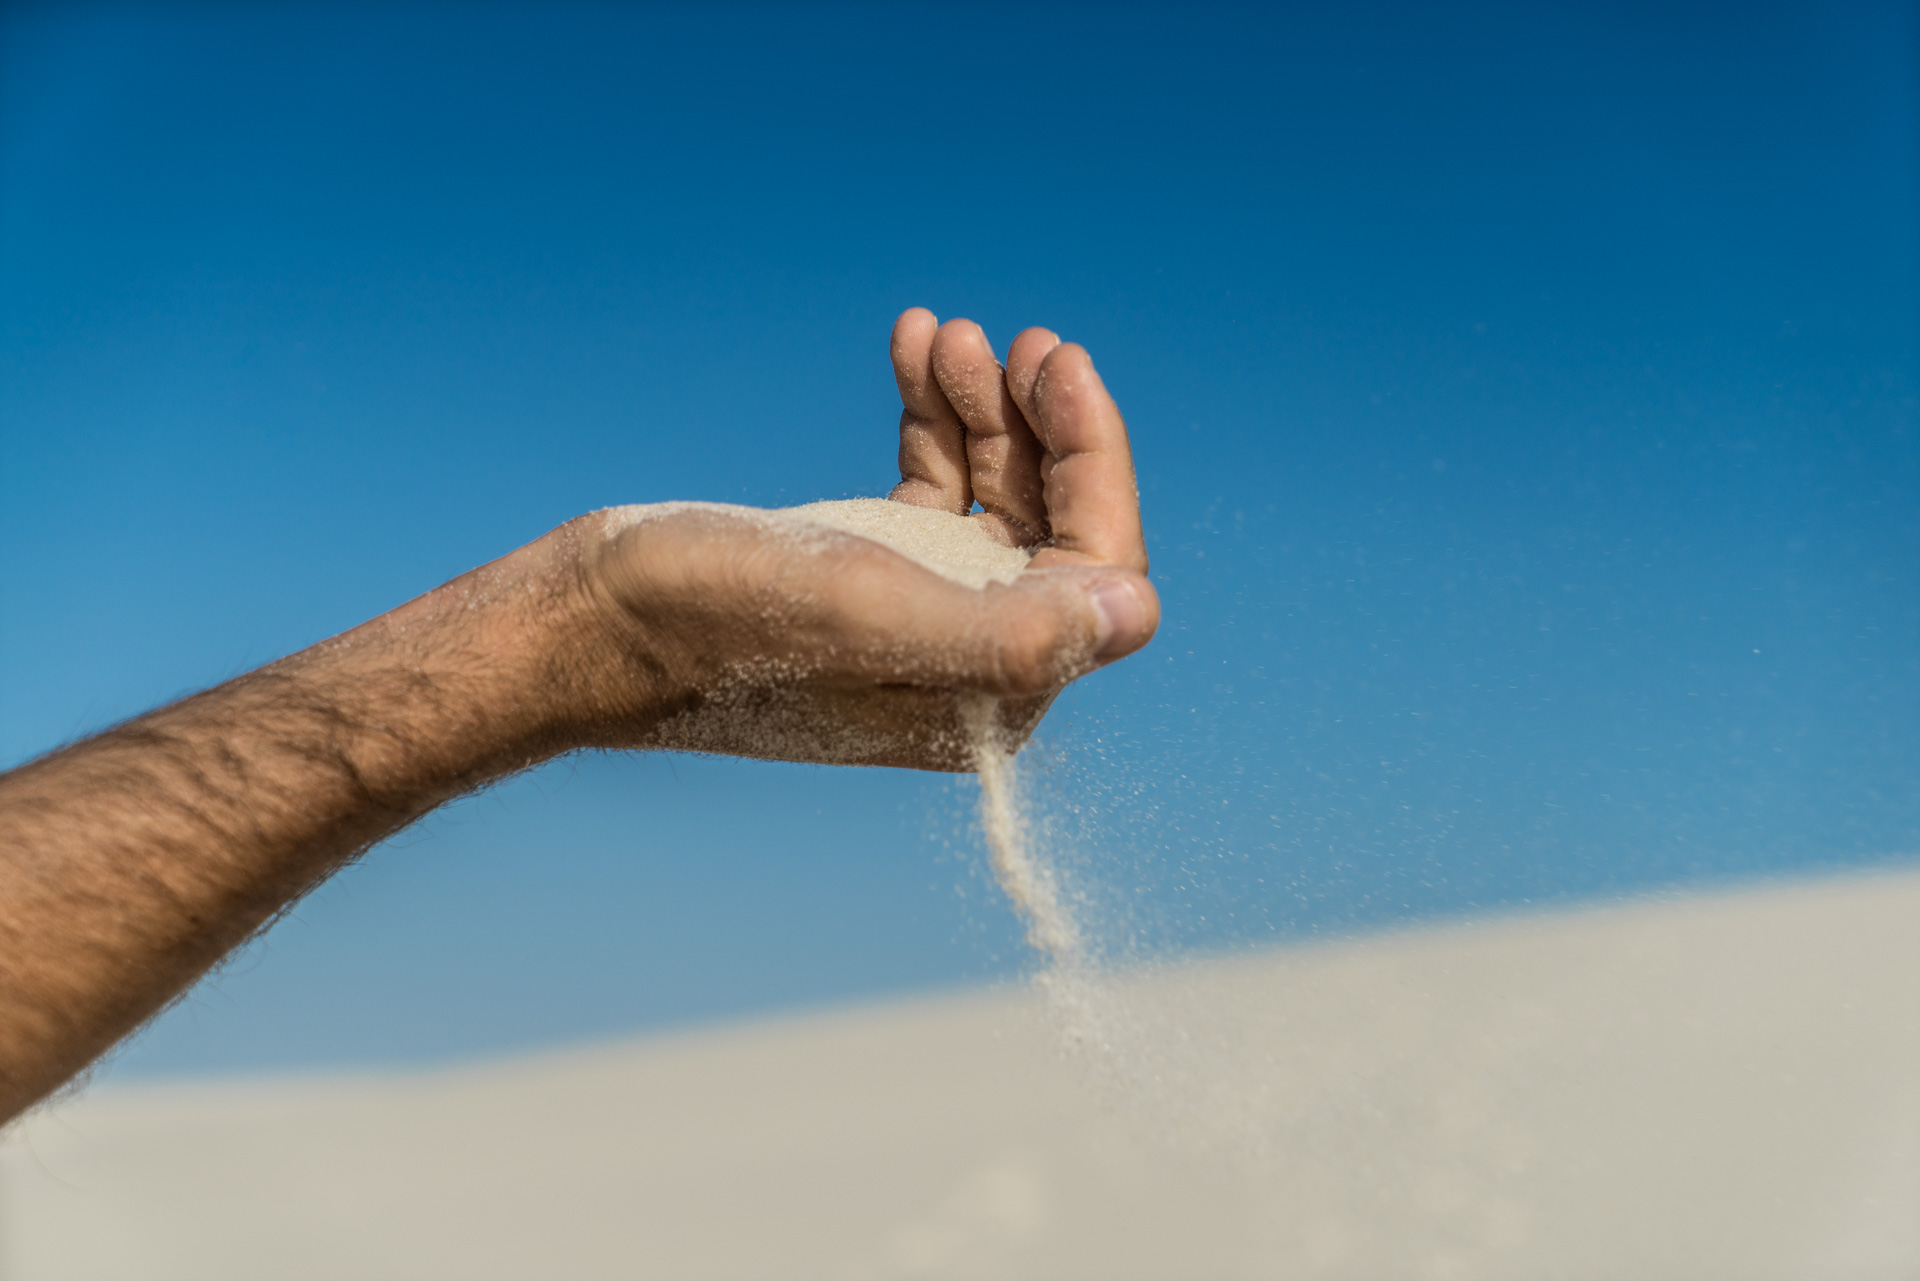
x=959, y=549
x=1083, y=1009
x=767, y=711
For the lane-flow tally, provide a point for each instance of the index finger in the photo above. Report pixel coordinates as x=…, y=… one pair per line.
x=1093, y=499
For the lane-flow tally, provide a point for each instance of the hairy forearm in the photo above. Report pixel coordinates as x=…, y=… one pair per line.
x=131, y=862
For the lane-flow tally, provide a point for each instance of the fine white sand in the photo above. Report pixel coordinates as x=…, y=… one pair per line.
x=950, y=545
x=1716, y=1087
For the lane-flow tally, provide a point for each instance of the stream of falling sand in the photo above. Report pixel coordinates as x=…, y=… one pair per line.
x=1067, y=978
x=1026, y=879
x=956, y=548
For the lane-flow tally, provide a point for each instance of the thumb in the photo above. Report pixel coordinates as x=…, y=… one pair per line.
x=1030, y=636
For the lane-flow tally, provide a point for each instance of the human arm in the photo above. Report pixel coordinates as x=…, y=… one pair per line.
x=132, y=861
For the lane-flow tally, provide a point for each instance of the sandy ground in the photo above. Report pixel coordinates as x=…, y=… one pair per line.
x=1715, y=1087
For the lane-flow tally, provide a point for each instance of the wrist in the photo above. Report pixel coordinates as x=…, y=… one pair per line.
x=552, y=660
x=587, y=649
x=616, y=661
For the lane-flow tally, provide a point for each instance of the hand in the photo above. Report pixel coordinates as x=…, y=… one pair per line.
x=725, y=632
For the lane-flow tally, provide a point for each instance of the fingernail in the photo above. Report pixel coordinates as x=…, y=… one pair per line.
x=1121, y=616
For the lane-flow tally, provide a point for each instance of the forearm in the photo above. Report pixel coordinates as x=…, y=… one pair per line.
x=131, y=862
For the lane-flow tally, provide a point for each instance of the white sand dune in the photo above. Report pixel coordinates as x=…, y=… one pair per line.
x=1714, y=1087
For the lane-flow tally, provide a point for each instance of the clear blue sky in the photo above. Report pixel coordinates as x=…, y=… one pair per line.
x=1524, y=398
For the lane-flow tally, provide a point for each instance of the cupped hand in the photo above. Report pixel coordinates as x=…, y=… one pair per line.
x=741, y=632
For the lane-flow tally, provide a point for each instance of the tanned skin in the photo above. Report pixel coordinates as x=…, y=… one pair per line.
x=132, y=861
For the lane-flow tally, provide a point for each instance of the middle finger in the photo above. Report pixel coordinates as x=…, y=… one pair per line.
x=1003, y=454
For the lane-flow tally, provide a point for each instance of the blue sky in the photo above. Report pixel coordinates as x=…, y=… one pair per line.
x=1524, y=399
